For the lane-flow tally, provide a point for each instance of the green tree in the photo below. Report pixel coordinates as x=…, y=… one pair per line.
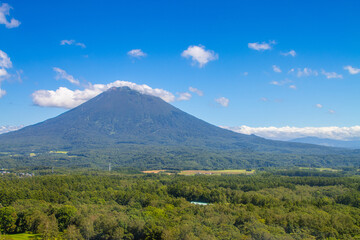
x=8, y=219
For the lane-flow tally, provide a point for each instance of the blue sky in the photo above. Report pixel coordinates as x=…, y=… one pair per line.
x=239, y=48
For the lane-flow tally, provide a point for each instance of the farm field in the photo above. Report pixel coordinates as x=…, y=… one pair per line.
x=206, y=172
x=320, y=169
x=22, y=236
x=217, y=172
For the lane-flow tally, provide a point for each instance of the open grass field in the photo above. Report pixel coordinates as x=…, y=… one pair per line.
x=217, y=172
x=205, y=172
x=320, y=169
x=22, y=236
x=154, y=171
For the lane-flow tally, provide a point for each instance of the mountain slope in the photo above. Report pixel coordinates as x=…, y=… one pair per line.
x=328, y=142
x=128, y=127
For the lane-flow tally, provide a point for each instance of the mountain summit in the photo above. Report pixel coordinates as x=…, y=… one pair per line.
x=126, y=126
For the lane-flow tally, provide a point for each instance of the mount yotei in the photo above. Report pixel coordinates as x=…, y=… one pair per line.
x=129, y=128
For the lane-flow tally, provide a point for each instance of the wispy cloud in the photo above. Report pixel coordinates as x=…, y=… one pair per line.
x=136, y=53
x=223, y=101
x=197, y=91
x=352, y=70
x=290, y=53
x=331, y=111
x=293, y=87
x=330, y=75
x=261, y=46
x=2, y=93
x=276, y=69
x=306, y=72
x=199, y=55
x=287, y=133
x=72, y=42
x=185, y=96
x=5, y=129
x=281, y=83
x=66, y=98
x=62, y=74
x=5, y=11
x=319, y=105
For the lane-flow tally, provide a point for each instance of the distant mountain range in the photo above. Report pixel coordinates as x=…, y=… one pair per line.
x=328, y=142
x=128, y=128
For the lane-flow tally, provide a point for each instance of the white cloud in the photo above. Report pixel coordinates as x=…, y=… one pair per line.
x=3, y=73
x=352, y=70
x=222, y=101
x=199, y=55
x=331, y=111
x=5, y=61
x=197, y=91
x=5, y=129
x=264, y=99
x=330, y=75
x=72, y=42
x=287, y=133
x=261, y=46
x=281, y=83
x=137, y=53
x=2, y=93
x=62, y=74
x=306, y=72
x=5, y=11
x=293, y=87
x=66, y=98
x=290, y=53
x=185, y=96
x=319, y=105
x=276, y=69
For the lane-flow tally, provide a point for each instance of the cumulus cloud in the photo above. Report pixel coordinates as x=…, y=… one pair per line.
x=72, y=42
x=319, y=105
x=288, y=133
x=199, y=55
x=352, y=70
x=276, y=69
x=5, y=61
x=222, y=101
x=197, y=91
x=293, y=87
x=66, y=98
x=330, y=75
x=136, y=53
x=290, y=53
x=2, y=93
x=185, y=96
x=3, y=73
x=5, y=11
x=261, y=46
x=306, y=72
x=62, y=74
x=5, y=129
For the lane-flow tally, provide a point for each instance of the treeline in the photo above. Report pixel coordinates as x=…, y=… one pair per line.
x=118, y=206
x=164, y=157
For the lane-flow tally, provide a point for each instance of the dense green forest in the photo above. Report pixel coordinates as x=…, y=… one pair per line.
x=100, y=205
x=165, y=157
